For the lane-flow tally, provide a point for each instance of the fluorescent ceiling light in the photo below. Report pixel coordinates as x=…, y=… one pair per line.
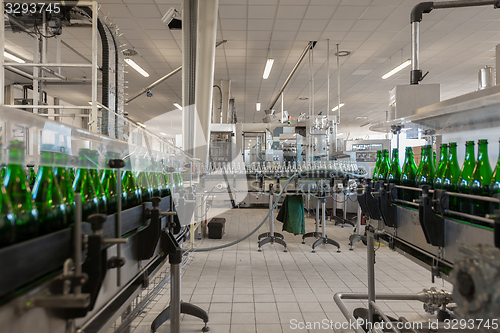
x=397, y=69
x=141, y=124
x=162, y=133
x=257, y=106
x=13, y=57
x=337, y=107
x=339, y=134
x=178, y=106
x=137, y=67
x=267, y=70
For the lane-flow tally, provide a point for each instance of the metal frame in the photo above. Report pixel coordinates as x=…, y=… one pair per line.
x=40, y=65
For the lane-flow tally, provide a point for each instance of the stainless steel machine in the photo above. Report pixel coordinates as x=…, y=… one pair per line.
x=462, y=248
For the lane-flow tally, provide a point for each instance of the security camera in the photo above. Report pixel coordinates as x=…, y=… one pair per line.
x=149, y=93
x=170, y=19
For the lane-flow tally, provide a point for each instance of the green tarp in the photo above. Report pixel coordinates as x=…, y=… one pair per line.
x=292, y=215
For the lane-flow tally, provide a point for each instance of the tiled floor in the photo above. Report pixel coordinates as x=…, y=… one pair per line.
x=247, y=291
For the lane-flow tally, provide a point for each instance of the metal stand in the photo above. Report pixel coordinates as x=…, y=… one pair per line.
x=324, y=239
x=356, y=235
x=177, y=306
x=271, y=236
x=344, y=221
x=317, y=233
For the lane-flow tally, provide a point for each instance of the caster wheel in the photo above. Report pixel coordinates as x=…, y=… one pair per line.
x=338, y=251
x=350, y=250
x=303, y=242
x=205, y=329
x=259, y=250
x=285, y=250
x=313, y=251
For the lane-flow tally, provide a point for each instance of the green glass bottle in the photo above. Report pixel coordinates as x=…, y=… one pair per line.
x=420, y=165
x=155, y=180
x=434, y=160
x=94, y=174
x=71, y=172
x=7, y=220
x=481, y=178
x=495, y=183
x=108, y=181
x=168, y=183
x=48, y=196
x=31, y=175
x=395, y=170
x=18, y=189
x=465, y=178
x=377, y=165
x=427, y=173
x=409, y=175
x=84, y=185
x=133, y=192
x=451, y=175
x=443, y=161
x=65, y=184
x=383, y=170
x=143, y=181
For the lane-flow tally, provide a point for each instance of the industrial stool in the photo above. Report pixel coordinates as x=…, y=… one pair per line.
x=322, y=237
x=271, y=236
x=356, y=235
x=177, y=306
x=316, y=233
x=343, y=221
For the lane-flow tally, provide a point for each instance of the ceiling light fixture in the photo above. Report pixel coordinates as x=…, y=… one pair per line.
x=137, y=67
x=397, y=69
x=339, y=134
x=365, y=125
x=177, y=105
x=267, y=70
x=361, y=117
x=13, y=57
x=163, y=133
x=257, y=106
x=337, y=107
x=141, y=124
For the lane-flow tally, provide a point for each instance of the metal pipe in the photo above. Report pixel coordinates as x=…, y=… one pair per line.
x=370, y=253
x=474, y=197
x=323, y=217
x=154, y=84
x=479, y=218
x=32, y=64
x=175, y=298
x=416, y=18
x=317, y=215
x=49, y=106
x=163, y=78
x=75, y=51
x=57, y=115
x=338, y=86
x=118, y=233
x=328, y=84
x=309, y=46
x=384, y=316
x=93, y=120
x=271, y=218
x=78, y=239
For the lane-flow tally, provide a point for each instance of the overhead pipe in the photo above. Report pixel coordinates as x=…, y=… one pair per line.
x=415, y=19
x=309, y=46
x=163, y=78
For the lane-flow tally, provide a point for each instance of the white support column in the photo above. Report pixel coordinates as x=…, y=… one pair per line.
x=226, y=95
x=189, y=36
x=205, y=64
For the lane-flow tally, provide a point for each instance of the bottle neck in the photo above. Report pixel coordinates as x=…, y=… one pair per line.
x=469, y=152
x=483, y=152
x=453, y=154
